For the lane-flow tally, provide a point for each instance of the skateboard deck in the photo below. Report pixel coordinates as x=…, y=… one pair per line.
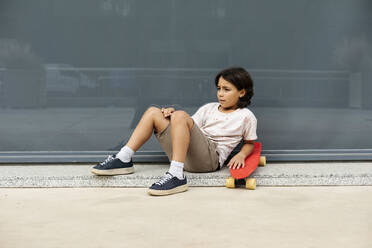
x=240, y=176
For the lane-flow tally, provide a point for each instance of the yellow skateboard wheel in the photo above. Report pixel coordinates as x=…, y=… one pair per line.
x=250, y=183
x=262, y=161
x=230, y=182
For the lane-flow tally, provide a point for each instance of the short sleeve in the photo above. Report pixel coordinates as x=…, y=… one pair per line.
x=250, y=128
x=199, y=116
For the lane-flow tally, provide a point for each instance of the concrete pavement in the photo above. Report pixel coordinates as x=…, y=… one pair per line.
x=202, y=217
x=91, y=211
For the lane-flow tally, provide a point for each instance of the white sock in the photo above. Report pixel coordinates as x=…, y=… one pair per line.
x=125, y=154
x=176, y=169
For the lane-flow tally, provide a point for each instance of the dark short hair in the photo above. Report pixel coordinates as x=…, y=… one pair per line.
x=241, y=79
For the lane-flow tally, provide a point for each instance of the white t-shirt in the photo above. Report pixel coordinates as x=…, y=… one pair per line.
x=225, y=129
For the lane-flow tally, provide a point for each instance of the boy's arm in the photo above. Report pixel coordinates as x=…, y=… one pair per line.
x=247, y=148
x=238, y=160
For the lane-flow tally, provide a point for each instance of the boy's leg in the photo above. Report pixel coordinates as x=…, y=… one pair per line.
x=174, y=181
x=121, y=163
x=181, y=124
x=152, y=119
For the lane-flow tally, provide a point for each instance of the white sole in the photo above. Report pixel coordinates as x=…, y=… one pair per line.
x=113, y=172
x=178, y=189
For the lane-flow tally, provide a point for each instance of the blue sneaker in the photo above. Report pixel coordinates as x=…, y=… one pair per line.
x=168, y=184
x=112, y=166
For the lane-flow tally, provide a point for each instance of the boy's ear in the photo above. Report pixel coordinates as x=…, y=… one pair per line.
x=242, y=92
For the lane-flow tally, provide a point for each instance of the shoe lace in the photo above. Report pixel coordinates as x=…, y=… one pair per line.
x=165, y=179
x=108, y=159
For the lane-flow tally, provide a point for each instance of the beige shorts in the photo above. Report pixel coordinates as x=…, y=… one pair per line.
x=201, y=155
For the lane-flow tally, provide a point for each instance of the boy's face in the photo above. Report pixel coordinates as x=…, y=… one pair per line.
x=227, y=94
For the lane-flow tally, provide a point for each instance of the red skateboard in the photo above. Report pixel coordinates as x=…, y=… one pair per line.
x=240, y=176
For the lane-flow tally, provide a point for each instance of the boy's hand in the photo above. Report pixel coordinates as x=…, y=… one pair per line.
x=167, y=112
x=237, y=161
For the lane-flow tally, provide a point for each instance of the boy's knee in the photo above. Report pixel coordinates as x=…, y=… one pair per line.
x=153, y=111
x=180, y=116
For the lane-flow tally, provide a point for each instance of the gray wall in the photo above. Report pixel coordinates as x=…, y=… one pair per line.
x=76, y=75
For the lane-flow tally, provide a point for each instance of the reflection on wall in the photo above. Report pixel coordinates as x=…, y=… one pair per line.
x=69, y=68
x=355, y=55
x=301, y=53
x=22, y=75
